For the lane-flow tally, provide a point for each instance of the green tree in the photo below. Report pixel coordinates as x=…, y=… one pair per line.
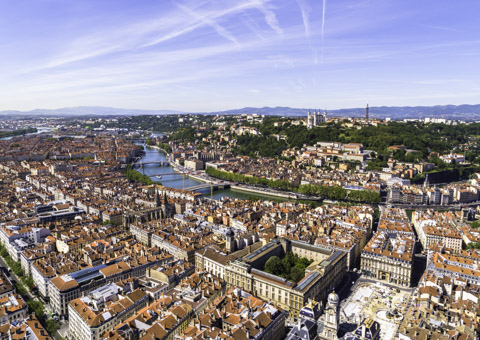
x=291, y=267
x=52, y=326
x=366, y=196
x=289, y=261
x=302, y=263
x=473, y=245
x=135, y=176
x=296, y=274
x=274, y=266
x=165, y=147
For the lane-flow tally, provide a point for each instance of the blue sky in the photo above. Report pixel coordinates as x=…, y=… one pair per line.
x=224, y=54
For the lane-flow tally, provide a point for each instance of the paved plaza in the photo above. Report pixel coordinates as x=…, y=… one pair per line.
x=385, y=304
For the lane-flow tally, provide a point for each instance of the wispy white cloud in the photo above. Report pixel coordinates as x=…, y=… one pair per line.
x=155, y=32
x=270, y=16
x=281, y=60
x=212, y=17
x=207, y=21
x=305, y=17
x=298, y=85
x=441, y=28
x=254, y=27
x=438, y=81
x=224, y=51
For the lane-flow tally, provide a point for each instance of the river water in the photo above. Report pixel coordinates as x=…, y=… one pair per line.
x=172, y=179
x=39, y=130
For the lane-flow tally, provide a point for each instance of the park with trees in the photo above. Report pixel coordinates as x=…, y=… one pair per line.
x=337, y=193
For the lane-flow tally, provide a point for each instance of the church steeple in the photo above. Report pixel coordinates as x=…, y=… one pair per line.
x=426, y=183
x=165, y=198
x=158, y=202
x=331, y=317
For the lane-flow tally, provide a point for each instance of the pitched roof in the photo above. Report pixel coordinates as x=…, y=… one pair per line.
x=61, y=284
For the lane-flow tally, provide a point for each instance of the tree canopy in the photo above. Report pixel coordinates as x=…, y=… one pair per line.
x=292, y=267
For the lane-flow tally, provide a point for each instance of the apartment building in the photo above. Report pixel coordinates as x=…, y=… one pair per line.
x=238, y=315
x=12, y=309
x=64, y=288
x=434, y=227
x=169, y=316
x=17, y=237
x=103, y=308
x=389, y=258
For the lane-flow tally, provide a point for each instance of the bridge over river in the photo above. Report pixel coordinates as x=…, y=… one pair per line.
x=213, y=185
x=155, y=163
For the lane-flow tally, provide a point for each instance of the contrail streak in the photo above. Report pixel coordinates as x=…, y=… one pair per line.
x=306, y=22
x=323, y=17
x=323, y=27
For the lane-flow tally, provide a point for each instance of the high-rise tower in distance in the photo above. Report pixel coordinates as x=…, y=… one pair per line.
x=366, y=113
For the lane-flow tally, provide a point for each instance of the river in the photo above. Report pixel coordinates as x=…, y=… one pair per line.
x=172, y=179
x=39, y=130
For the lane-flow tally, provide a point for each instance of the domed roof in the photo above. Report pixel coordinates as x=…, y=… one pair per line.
x=333, y=298
x=311, y=310
x=230, y=233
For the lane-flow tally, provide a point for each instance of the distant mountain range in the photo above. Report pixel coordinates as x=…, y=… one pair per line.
x=454, y=112
x=89, y=111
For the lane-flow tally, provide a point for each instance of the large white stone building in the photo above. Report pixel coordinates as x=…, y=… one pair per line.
x=315, y=118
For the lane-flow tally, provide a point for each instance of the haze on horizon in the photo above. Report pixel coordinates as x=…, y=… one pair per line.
x=223, y=54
